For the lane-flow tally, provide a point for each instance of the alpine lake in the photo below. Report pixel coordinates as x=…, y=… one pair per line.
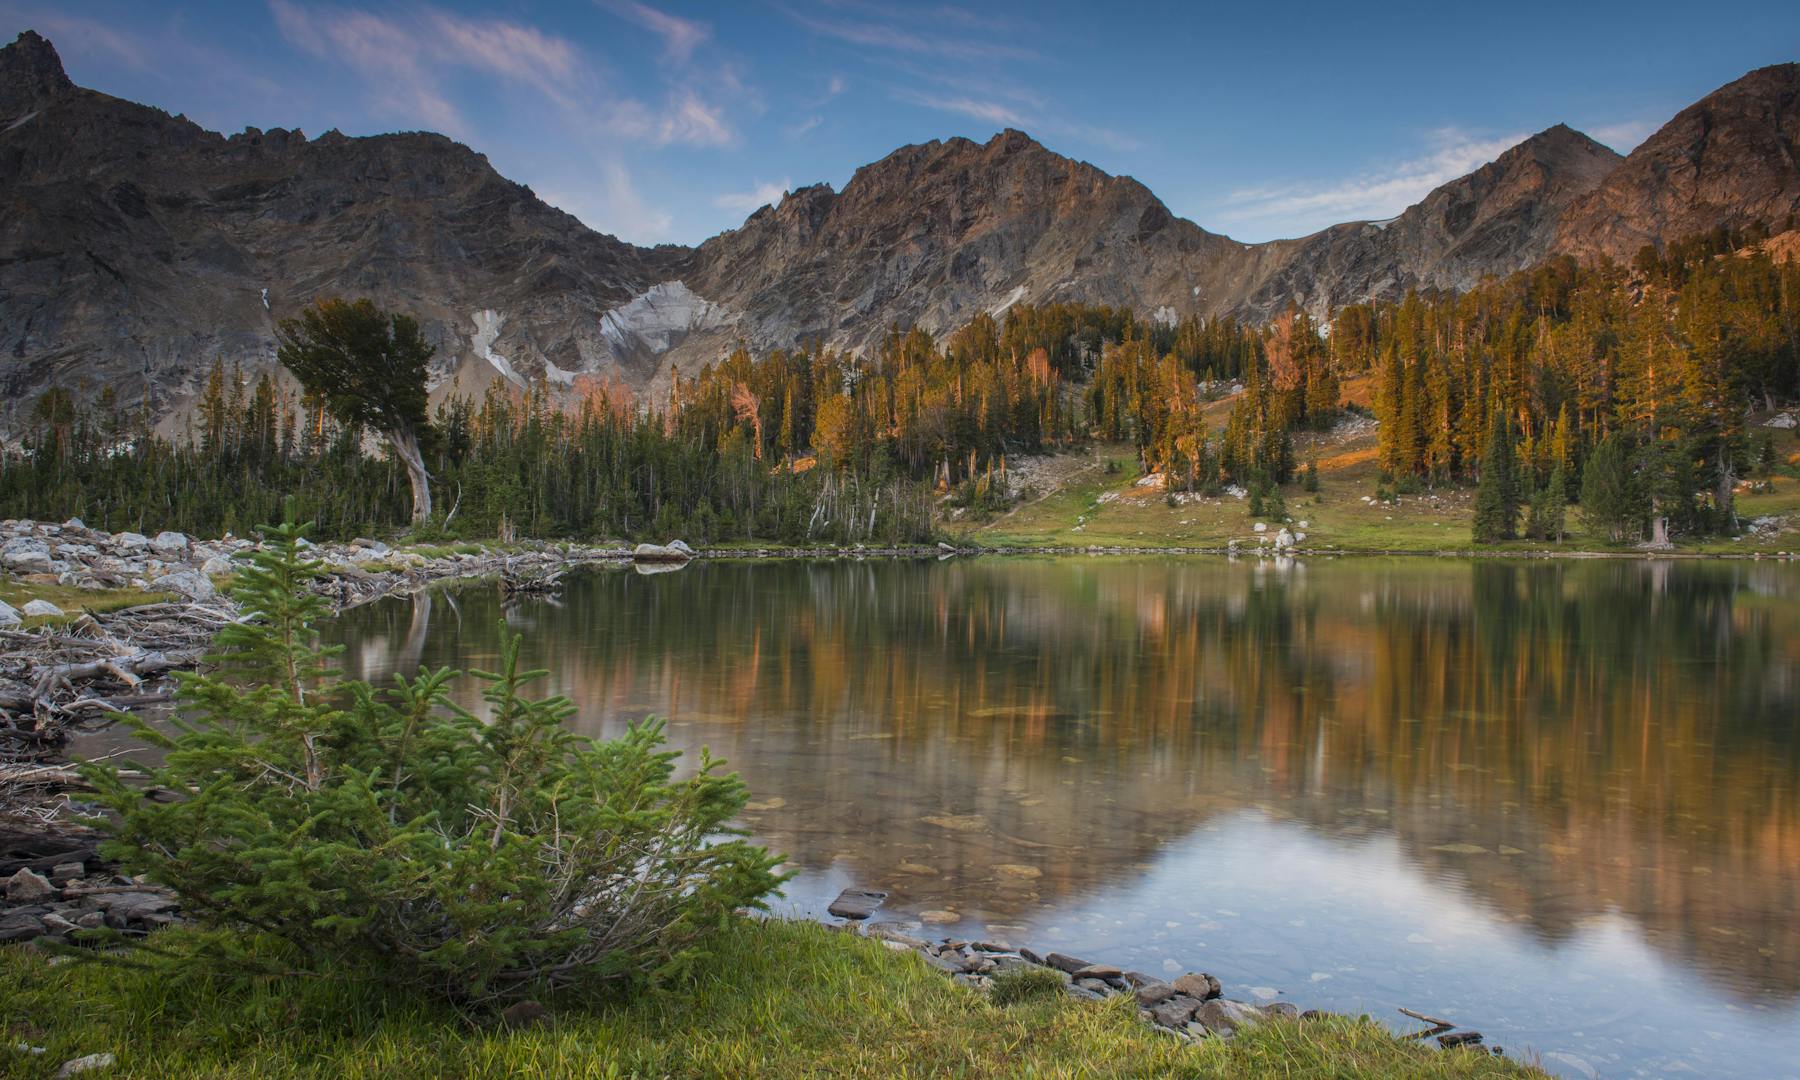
x=1557, y=801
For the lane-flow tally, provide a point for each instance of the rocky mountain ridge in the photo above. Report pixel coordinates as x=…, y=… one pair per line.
x=136, y=248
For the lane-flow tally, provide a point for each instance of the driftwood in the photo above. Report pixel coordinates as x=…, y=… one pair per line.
x=55, y=678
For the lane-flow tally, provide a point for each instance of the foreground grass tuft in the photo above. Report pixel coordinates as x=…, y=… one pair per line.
x=776, y=999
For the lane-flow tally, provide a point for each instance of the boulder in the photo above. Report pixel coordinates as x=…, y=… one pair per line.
x=170, y=546
x=9, y=616
x=1261, y=526
x=189, y=583
x=27, y=886
x=1222, y=1016
x=40, y=608
x=1064, y=963
x=659, y=553
x=1154, y=993
x=1198, y=985
x=375, y=546
x=131, y=541
x=1174, y=1012
x=1098, y=971
x=27, y=555
x=1284, y=539
x=217, y=566
x=857, y=904
x=681, y=546
x=1782, y=421
x=20, y=926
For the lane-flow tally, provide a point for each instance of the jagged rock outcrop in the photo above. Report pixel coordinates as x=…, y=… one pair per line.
x=136, y=248
x=1731, y=158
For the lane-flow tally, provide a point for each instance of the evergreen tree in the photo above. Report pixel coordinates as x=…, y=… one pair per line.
x=1612, y=503
x=1497, y=495
x=389, y=836
x=1548, y=507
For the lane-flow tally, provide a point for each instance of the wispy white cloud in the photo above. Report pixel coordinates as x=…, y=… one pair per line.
x=680, y=36
x=694, y=122
x=761, y=195
x=889, y=32
x=613, y=204
x=1375, y=195
x=408, y=62
x=799, y=129
x=1625, y=136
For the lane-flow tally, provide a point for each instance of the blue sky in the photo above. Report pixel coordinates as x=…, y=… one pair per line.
x=669, y=120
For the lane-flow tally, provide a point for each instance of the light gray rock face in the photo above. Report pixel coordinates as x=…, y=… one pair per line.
x=9, y=616
x=188, y=583
x=170, y=546
x=39, y=608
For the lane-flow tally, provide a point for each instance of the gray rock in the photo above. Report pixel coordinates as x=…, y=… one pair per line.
x=39, y=608
x=189, y=583
x=1098, y=986
x=658, y=553
x=20, y=926
x=75, y=523
x=1198, y=985
x=896, y=935
x=949, y=962
x=27, y=886
x=1154, y=993
x=1064, y=963
x=9, y=616
x=91, y=920
x=1098, y=971
x=1175, y=1011
x=28, y=562
x=681, y=547
x=56, y=924
x=980, y=983
x=67, y=871
x=171, y=546
x=216, y=566
x=1222, y=1016
x=131, y=541
x=129, y=907
x=1285, y=1010
x=90, y=1063
x=856, y=903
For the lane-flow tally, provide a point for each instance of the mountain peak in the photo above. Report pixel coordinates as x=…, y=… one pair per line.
x=30, y=73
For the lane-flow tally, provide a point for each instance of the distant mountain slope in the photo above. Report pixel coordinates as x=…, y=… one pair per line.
x=1731, y=158
x=136, y=247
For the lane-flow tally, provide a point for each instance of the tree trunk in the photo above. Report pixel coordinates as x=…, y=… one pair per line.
x=406, y=447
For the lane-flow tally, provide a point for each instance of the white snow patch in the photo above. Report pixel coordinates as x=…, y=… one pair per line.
x=659, y=318
x=558, y=375
x=265, y=298
x=1196, y=292
x=1012, y=298
x=488, y=324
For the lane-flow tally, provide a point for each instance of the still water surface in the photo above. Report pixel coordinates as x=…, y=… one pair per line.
x=1557, y=802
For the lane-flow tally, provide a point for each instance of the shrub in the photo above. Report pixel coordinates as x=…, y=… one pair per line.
x=1025, y=984
x=390, y=836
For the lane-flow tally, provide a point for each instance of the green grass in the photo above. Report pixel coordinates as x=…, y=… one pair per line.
x=73, y=601
x=776, y=1000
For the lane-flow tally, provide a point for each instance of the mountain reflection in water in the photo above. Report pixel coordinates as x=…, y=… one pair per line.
x=1556, y=800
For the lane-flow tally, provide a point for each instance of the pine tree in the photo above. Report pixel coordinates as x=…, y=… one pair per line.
x=1497, y=494
x=1548, y=507
x=390, y=837
x=1612, y=502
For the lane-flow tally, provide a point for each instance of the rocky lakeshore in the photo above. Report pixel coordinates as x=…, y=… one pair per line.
x=1190, y=1007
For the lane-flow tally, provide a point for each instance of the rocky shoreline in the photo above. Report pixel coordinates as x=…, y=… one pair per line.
x=1190, y=1007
